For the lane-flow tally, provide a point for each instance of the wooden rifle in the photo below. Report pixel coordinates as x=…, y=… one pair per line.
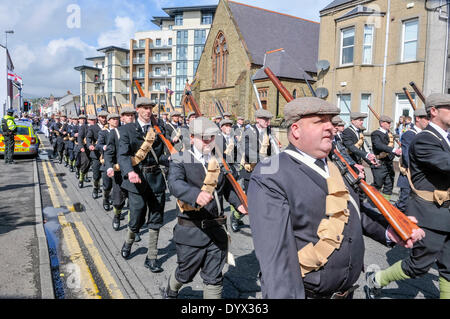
x=169, y=145
x=237, y=188
x=411, y=101
x=418, y=91
x=402, y=225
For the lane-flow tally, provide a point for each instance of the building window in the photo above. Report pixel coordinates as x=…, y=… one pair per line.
x=195, y=66
x=103, y=64
x=141, y=44
x=157, y=86
x=182, y=52
x=198, y=49
x=169, y=41
x=169, y=56
x=199, y=36
x=365, y=102
x=169, y=70
x=180, y=83
x=178, y=97
x=347, y=45
x=157, y=71
x=141, y=72
x=368, y=44
x=182, y=37
x=345, y=104
x=158, y=42
x=219, y=57
x=207, y=18
x=179, y=19
x=410, y=39
x=169, y=85
x=157, y=56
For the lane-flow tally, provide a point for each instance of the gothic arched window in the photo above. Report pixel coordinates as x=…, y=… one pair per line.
x=219, y=57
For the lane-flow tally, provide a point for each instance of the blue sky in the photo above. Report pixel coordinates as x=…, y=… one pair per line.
x=48, y=42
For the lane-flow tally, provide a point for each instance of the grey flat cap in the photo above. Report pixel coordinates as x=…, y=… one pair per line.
x=103, y=113
x=127, y=110
x=203, y=127
x=296, y=109
x=191, y=114
x=227, y=114
x=240, y=118
x=92, y=117
x=164, y=113
x=437, y=100
x=337, y=121
x=420, y=113
x=144, y=101
x=217, y=117
x=81, y=116
x=75, y=117
x=358, y=115
x=225, y=122
x=385, y=118
x=175, y=113
x=261, y=113
x=113, y=116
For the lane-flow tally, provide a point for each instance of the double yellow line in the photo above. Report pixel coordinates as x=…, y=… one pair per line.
x=87, y=281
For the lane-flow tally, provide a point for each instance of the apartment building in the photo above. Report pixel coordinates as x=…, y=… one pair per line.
x=375, y=48
x=166, y=58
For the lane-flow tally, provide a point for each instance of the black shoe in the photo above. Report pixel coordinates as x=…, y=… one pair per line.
x=152, y=265
x=372, y=289
x=235, y=225
x=168, y=293
x=77, y=175
x=116, y=222
x=106, y=205
x=71, y=169
x=87, y=180
x=80, y=184
x=137, y=238
x=66, y=164
x=95, y=193
x=126, y=250
x=100, y=191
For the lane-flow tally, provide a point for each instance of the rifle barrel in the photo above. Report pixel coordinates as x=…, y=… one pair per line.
x=418, y=91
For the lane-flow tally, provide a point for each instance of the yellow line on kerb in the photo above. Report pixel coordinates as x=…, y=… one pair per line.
x=87, y=282
x=107, y=278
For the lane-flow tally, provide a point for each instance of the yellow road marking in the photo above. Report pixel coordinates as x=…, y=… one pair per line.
x=76, y=256
x=108, y=279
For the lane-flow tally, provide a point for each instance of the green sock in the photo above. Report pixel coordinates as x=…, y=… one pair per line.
x=212, y=291
x=117, y=211
x=393, y=273
x=81, y=177
x=388, y=197
x=152, y=244
x=444, y=287
x=130, y=237
x=174, y=284
x=236, y=214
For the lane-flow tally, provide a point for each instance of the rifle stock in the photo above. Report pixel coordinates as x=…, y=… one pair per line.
x=402, y=225
x=418, y=91
x=411, y=101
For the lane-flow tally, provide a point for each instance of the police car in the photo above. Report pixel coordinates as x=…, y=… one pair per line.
x=26, y=140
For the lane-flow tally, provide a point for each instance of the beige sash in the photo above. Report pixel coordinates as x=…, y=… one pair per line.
x=391, y=144
x=145, y=147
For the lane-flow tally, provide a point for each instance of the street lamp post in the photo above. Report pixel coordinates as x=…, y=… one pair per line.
x=6, y=36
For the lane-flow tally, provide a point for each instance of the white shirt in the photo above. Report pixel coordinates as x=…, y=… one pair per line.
x=441, y=131
x=313, y=160
x=203, y=158
x=142, y=124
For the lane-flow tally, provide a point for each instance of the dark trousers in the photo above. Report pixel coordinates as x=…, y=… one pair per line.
x=9, y=148
x=383, y=177
x=435, y=247
x=139, y=203
x=83, y=162
x=118, y=193
x=106, y=182
x=96, y=174
x=402, y=201
x=209, y=260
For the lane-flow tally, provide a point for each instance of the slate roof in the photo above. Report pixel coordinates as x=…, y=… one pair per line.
x=335, y=3
x=359, y=10
x=265, y=30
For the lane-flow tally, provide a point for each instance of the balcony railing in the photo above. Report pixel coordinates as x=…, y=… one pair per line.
x=154, y=61
x=162, y=46
x=138, y=61
x=125, y=63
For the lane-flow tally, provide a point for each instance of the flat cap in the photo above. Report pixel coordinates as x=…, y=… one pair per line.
x=261, y=113
x=437, y=100
x=81, y=116
x=127, y=110
x=164, y=113
x=358, y=115
x=103, y=113
x=203, y=127
x=144, y=101
x=225, y=122
x=296, y=109
x=420, y=113
x=175, y=113
x=92, y=117
x=385, y=118
x=113, y=116
x=337, y=121
x=240, y=118
x=75, y=117
x=227, y=114
x=191, y=114
x=217, y=117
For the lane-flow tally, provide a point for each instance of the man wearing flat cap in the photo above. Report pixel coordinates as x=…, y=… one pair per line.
x=95, y=150
x=429, y=201
x=185, y=135
x=217, y=120
x=83, y=161
x=383, y=144
x=61, y=137
x=196, y=180
x=140, y=156
x=119, y=195
x=54, y=132
x=307, y=239
x=70, y=146
x=173, y=130
x=353, y=139
x=420, y=123
x=239, y=128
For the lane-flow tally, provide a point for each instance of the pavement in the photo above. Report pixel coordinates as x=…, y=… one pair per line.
x=81, y=257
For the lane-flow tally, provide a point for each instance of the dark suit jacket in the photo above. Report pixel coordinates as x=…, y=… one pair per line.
x=429, y=163
x=131, y=139
x=91, y=139
x=349, y=139
x=285, y=210
x=110, y=155
x=102, y=141
x=82, y=131
x=406, y=140
x=186, y=176
x=380, y=143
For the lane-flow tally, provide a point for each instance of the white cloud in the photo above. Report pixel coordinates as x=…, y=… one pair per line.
x=23, y=56
x=59, y=46
x=125, y=29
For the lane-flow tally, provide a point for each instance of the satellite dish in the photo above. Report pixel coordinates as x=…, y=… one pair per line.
x=322, y=66
x=322, y=93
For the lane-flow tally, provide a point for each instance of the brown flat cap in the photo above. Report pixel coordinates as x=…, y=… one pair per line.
x=113, y=116
x=175, y=113
x=103, y=113
x=385, y=118
x=296, y=109
x=420, y=113
x=225, y=122
x=127, y=110
x=261, y=113
x=437, y=100
x=358, y=115
x=337, y=121
x=191, y=114
x=203, y=127
x=92, y=117
x=227, y=114
x=240, y=118
x=144, y=101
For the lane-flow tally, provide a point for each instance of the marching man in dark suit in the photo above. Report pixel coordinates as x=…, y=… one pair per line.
x=306, y=221
x=82, y=151
x=196, y=180
x=384, y=148
x=141, y=152
x=421, y=122
x=429, y=202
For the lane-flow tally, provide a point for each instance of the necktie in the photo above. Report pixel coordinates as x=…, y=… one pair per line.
x=448, y=137
x=146, y=128
x=320, y=163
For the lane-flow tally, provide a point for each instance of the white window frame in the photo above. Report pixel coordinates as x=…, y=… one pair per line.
x=367, y=45
x=416, y=20
x=342, y=45
x=366, y=120
x=345, y=114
